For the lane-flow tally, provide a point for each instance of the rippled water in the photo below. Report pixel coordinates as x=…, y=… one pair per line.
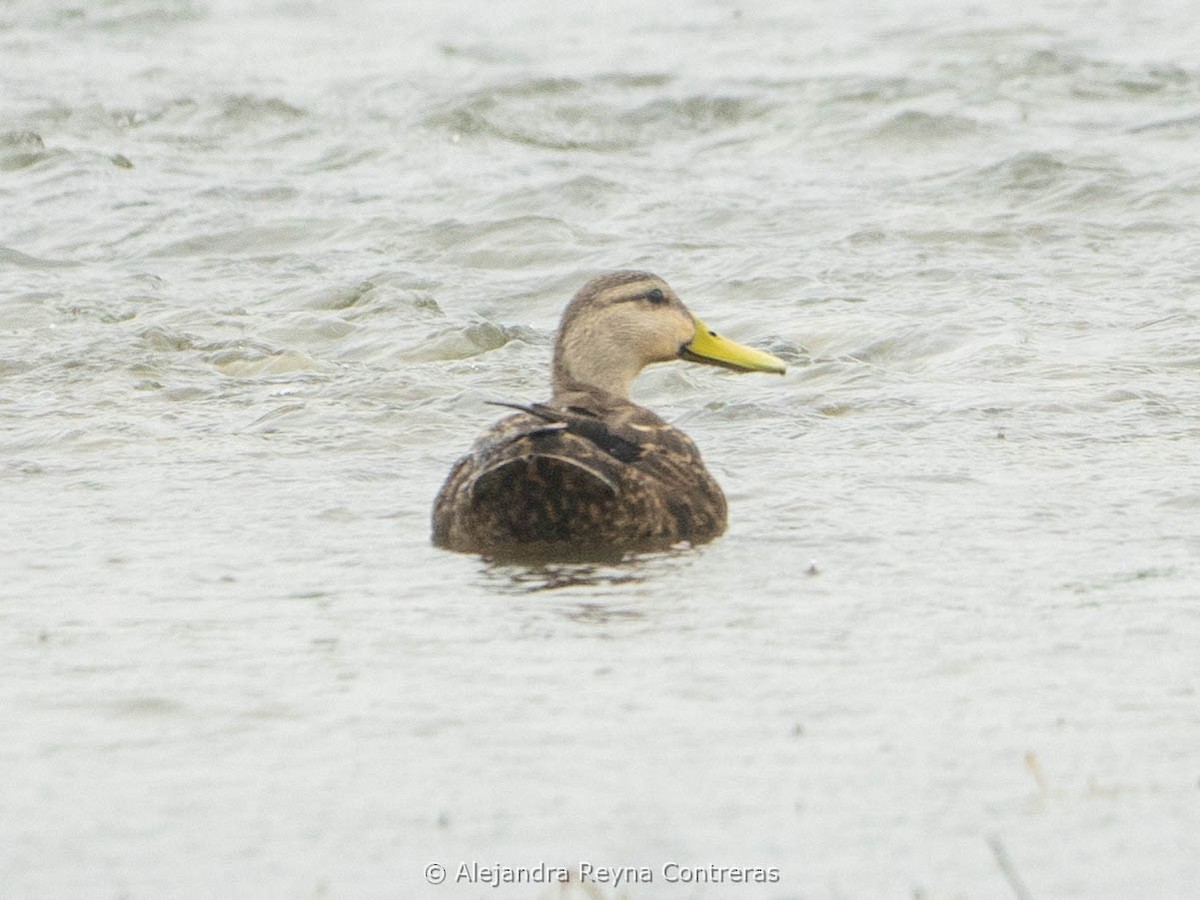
x=262, y=264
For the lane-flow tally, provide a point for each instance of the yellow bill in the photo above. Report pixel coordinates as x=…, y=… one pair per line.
x=710, y=348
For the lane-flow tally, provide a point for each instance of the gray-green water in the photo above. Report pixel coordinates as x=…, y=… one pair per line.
x=262, y=264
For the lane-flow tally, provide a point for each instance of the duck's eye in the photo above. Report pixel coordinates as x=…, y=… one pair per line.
x=655, y=295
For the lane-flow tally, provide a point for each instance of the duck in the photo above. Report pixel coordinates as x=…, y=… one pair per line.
x=589, y=474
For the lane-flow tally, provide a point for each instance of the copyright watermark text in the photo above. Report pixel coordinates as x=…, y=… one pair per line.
x=586, y=872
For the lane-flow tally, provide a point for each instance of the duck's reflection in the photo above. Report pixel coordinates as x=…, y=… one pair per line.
x=508, y=577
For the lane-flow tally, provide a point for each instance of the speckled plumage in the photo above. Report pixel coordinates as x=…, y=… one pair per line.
x=589, y=474
x=528, y=487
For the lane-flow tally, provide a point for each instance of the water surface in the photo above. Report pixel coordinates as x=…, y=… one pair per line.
x=263, y=264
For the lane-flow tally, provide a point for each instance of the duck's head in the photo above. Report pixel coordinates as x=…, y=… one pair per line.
x=621, y=322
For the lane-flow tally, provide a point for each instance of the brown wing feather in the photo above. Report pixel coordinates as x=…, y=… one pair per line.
x=529, y=486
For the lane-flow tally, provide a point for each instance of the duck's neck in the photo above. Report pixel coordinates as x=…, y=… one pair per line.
x=593, y=361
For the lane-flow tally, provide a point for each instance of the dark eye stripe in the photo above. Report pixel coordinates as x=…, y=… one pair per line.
x=654, y=295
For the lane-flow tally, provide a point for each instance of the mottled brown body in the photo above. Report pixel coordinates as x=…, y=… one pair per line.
x=529, y=488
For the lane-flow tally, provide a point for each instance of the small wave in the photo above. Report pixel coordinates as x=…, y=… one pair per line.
x=163, y=339
x=22, y=149
x=115, y=14
x=248, y=362
x=251, y=109
x=577, y=198
x=463, y=341
x=23, y=140
x=383, y=292
x=607, y=113
x=20, y=145
x=871, y=91
x=1052, y=181
x=262, y=240
x=509, y=243
x=1182, y=124
x=338, y=158
x=24, y=261
x=913, y=126
x=1033, y=171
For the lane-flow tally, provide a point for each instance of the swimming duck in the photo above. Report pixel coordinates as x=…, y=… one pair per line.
x=589, y=474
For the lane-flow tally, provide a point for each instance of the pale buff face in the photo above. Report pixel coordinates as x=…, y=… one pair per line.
x=615, y=326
